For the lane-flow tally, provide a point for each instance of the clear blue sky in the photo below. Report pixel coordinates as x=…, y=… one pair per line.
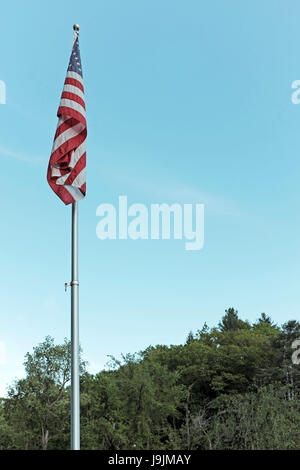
x=187, y=101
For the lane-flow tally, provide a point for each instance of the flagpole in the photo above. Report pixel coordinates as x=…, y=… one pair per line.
x=75, y=385
x=75, y=366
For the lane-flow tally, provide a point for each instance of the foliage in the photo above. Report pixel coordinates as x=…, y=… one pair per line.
x=37, y=407
x=229, y=387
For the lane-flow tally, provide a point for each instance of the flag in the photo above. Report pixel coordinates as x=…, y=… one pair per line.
x=67, y=166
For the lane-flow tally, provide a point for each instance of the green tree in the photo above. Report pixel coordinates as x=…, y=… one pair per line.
x=103, y=418
x=38, y=405
x=150, y=396
x=231, y=321
x=284, y=371
x=260, y=420
x=230, y=387
x=190, y=337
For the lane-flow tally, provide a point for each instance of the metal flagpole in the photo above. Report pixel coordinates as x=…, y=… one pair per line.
x=75, y=386
x=75, y=383
x=69, y=108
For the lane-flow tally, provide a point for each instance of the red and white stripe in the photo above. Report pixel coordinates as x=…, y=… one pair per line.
x=67, y=167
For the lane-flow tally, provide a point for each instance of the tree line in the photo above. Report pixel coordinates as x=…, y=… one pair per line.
x=233, y=386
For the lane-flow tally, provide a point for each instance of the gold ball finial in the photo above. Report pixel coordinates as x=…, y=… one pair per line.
x=76, y=28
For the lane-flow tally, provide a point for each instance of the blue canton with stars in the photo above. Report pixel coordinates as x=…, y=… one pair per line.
x=75, y=60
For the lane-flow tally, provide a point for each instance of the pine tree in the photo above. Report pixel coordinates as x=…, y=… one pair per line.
x=231, y=321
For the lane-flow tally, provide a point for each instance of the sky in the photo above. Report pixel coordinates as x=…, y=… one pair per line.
x=187, y=102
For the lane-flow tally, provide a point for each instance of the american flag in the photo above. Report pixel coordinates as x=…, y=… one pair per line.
x=67, y=166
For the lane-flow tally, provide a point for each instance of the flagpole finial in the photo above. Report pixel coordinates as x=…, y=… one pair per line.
x=76, y=28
